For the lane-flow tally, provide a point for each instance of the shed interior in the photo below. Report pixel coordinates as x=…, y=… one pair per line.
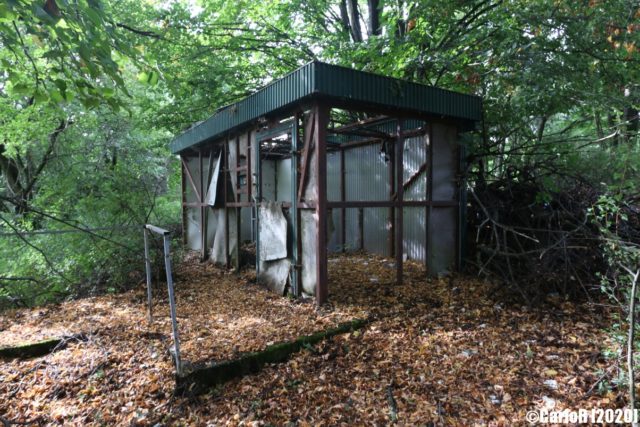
x=327, y=159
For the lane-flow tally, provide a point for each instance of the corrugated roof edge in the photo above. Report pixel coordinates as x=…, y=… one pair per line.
x=318, y=78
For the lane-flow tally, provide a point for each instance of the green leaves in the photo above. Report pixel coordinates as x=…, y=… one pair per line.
x=150, y=77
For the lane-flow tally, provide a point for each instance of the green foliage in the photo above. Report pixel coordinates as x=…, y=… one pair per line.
x=121, y=78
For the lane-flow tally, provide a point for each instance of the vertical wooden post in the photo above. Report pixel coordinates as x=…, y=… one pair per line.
x=322, y=117
x=399, y=157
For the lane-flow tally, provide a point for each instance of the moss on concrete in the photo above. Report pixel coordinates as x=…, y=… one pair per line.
x=200, y=379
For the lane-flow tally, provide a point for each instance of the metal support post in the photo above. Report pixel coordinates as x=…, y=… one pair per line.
x=293, y=213
x=172, y=304
x=172, y=301
x=147, y=263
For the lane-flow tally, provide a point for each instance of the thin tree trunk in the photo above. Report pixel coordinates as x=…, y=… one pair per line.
x=598, y=122
x=630, y=116
x=344, y=17
x=631, y=338
x=354, y=16
x=612, y=124
x=374, y=17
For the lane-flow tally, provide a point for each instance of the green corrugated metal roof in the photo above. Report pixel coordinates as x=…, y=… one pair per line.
x=317, y=79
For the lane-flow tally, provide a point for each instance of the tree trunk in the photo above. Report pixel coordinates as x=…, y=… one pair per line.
x=354, y=16
x=598, y=123
x=630, y=341
x=344, y=16
x=374, y=17
x=631, y=118
x=11, y=173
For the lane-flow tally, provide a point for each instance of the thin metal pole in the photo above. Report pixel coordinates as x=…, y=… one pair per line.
x=172, y=304
x=147, y=263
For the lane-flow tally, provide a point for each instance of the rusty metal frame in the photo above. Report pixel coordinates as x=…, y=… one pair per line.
x=321, y=120
x=314, y=140
x=399, y=161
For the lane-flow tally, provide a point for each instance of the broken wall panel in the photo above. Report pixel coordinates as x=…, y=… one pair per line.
x=212, y=195
x=308, y=259
x=273, y=232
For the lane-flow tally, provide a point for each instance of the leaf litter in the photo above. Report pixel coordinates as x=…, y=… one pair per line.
x=441, y=351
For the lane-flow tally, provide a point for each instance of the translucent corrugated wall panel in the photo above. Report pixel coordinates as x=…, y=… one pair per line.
x=283, y=180
x=366, y=174
x=333, y=176
x=268, y=176
x=194, y=167
x=414, y=233
x=415, y=157
x=352, y=230
x=193, y=229
x=376, y=233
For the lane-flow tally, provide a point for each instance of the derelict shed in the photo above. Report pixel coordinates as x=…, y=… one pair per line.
x=327, y=159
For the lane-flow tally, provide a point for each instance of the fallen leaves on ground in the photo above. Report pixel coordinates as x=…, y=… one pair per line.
x=441, y=351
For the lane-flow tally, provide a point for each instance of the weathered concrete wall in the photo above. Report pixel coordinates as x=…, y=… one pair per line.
x=443, y=222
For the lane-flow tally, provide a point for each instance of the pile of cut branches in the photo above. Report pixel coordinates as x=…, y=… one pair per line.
x=535, y=242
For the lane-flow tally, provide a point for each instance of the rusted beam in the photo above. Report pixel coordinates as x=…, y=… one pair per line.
x=361, y=228
x=183, y=186
x=225, y=192
x=429, y=195
x=203, y=214
x=321, y=119
x=399, y=161
x=343, y=197
x=390, y=204
x=372, y=141
x=238, y=211
x=306, y=155
x=392, y=195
